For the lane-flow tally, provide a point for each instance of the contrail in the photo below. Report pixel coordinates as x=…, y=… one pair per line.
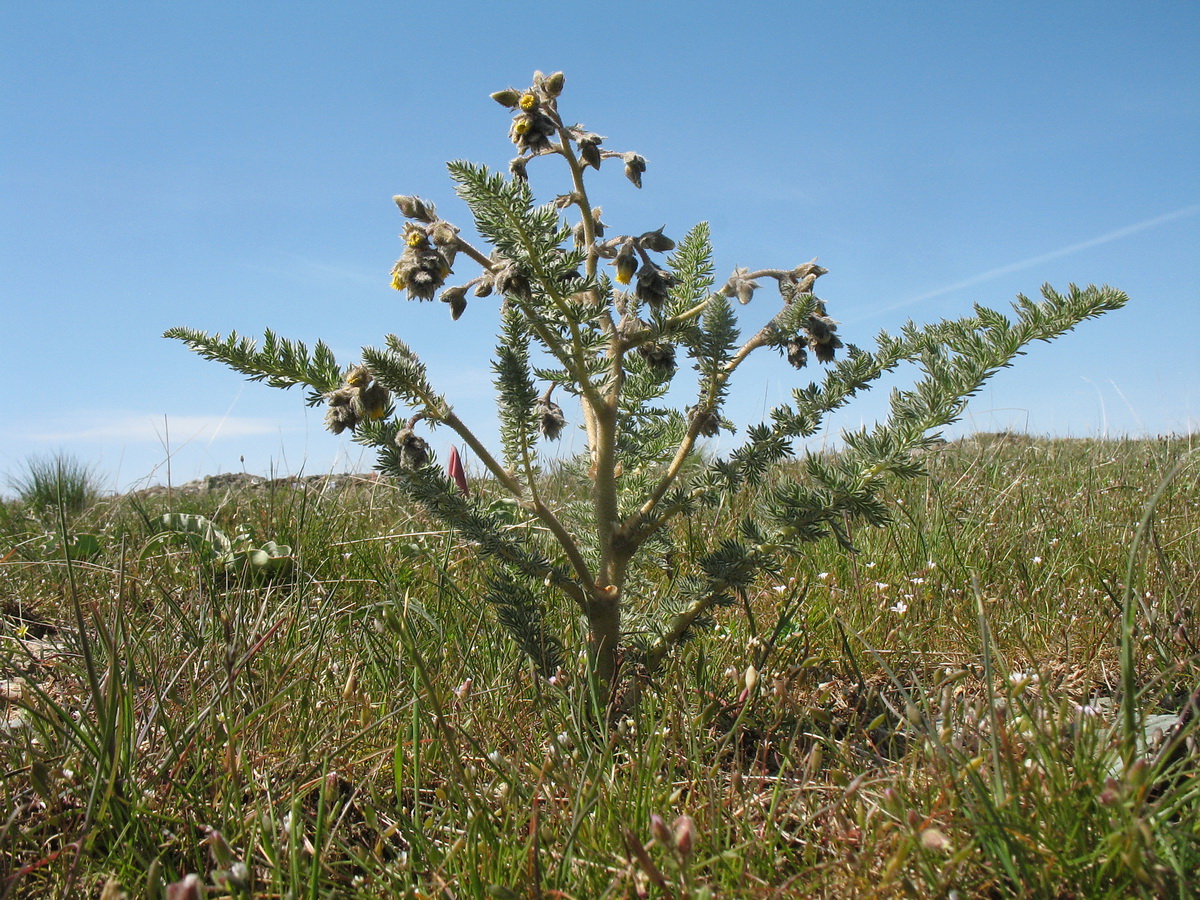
x=1045, y=257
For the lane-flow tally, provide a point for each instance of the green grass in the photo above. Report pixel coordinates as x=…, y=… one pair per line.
x=936, y=716
x=58, y=482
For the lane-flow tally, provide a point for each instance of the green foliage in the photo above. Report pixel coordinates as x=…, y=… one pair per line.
x=600, y=535
x=236, y=556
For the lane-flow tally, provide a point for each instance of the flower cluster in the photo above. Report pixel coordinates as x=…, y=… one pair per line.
x=630, y=256
x=821, y=333
x=428, y=255
x=359, y=398
x=535, y=123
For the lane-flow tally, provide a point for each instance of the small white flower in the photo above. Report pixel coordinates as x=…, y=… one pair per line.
x=899, y=607
x=1037, y=560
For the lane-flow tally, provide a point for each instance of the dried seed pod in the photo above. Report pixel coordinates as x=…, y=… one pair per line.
x=551, y=420
x=822, y=337
x=796, y=354
x=710, y=422
x=414, y=451
x=653, y=284
x=659, y=357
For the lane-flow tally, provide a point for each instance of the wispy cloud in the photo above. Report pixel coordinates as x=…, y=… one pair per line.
x=135, y=428
x=1032, y=261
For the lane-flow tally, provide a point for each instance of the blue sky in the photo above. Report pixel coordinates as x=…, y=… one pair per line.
x=231, y=166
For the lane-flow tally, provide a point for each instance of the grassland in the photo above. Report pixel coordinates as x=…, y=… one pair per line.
x=961, y=709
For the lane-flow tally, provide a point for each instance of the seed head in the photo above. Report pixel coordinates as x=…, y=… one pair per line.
x=509, y=281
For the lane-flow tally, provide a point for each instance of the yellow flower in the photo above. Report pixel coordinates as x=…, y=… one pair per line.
x=398, y=283
x=528, y=102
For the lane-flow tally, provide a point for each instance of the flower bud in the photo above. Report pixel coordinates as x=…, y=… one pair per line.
x=457, y=298
x=553, y=84
x=740, y=285
x=589, y=148
x=656, y=241
x=221, y=851
x=935, y=839
x=415, y=208
x=374, y=399
x=660, y=832
x=190, y=887
x=635, y=165
x=508, y=98
x=444, y=234
x=358, y=376
x=685, y=835
x=517, y=169
x=626, y=263
x=751, y=677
